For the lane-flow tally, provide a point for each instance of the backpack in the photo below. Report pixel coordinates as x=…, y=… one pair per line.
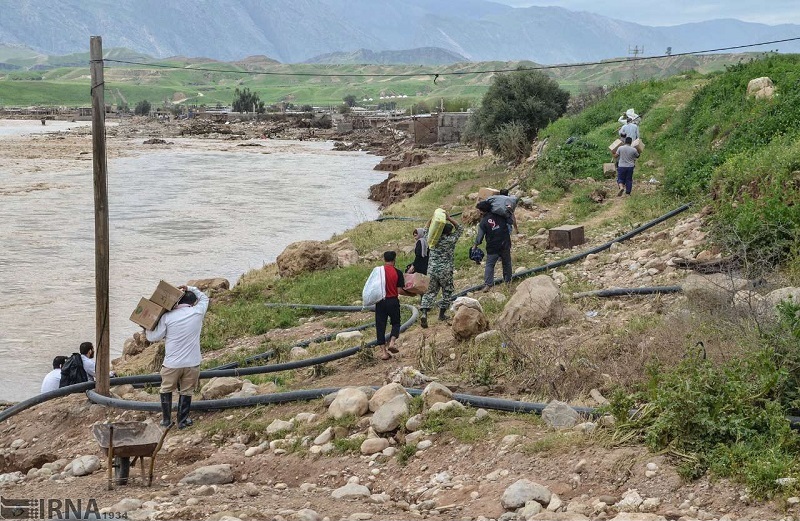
x=476, y=254
x=72, y=372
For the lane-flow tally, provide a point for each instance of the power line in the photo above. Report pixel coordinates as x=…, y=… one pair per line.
x=451, y=73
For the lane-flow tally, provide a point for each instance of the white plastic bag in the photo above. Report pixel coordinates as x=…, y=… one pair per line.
x=375, y=287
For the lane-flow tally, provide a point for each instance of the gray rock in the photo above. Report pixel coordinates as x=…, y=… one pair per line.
x=385, y=394
x=220, y=386
x=349, y=401
x=124, y=506
x=536, y=302
x=298, y=353
x=435, y=392
x=209, y=475
x=351, y=491
x=522, y=491
x=388, y=417
x=414, y=423
x=714, y=290
x=559, y=415
x=530, y=509
x=306, y=514
x=324, y=437
x=348, y=335
x=452, y=404
x=374, y=445
x=279, y=426
x=85, y=465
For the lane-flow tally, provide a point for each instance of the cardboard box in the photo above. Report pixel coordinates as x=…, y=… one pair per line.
x=166, y=295
x=565, y=237
x=485, y=193
x=638, y=145
x=416, y=283
x=147, y=314
x=615, y=145
x=609, y=169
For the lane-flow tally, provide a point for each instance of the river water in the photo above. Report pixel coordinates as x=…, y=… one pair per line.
x=176, y=214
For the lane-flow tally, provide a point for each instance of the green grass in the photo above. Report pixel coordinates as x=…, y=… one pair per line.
x=67, y=83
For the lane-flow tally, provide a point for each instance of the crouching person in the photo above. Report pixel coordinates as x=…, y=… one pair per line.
x=181, y=369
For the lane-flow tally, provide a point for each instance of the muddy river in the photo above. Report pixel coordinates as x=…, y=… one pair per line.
x=195, y=209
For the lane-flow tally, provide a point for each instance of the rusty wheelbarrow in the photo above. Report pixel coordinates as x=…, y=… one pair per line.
x=125, y=440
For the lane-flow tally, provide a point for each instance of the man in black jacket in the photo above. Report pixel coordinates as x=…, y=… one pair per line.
x=494, y=228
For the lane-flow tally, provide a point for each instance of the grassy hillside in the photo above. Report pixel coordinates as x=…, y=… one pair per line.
x=707, y=143
x=57, y=81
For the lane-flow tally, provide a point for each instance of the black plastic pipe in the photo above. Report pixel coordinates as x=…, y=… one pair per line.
x=582, y=255
x=156, y=378
x=622, y=292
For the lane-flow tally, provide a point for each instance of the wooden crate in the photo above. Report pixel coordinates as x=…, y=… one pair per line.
x=565, y=237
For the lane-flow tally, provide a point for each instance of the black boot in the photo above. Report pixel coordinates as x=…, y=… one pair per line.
x=166, y=409
x=442, y=316
x=184, y=403
x=423, y=318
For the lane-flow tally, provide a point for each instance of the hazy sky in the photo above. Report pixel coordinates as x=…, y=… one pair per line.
x=673, y=12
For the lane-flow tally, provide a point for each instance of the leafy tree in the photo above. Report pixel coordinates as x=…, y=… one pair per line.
x=350, y=100
x=513, y=144
x=246, y=101
x=142, y=108
x=420, y=108
x=344, y=109
x=528, y=98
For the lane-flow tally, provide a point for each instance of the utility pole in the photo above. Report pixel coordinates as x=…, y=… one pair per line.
x=101, y=253
x=635, y=52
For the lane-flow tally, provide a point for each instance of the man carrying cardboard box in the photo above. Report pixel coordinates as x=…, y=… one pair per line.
x=181, y=369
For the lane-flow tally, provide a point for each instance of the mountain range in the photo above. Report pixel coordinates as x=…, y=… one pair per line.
x=293, y=31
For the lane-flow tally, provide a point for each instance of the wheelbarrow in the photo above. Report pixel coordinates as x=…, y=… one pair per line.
x=125, y=440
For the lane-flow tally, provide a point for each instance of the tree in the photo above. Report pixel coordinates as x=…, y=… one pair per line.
x=142, y=108
x=350, y=100
x=246, y=101
x=528, y=98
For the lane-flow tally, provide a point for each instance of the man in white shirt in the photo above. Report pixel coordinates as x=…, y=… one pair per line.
x=87, y=355
x=181, y=370
x=53, y=378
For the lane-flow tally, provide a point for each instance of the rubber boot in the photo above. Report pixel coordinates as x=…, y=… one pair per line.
x=184, y=403
x=166, y=409
x=442, y=316
x=423, y=318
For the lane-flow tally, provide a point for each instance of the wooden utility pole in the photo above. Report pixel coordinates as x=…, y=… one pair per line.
x=101, y=253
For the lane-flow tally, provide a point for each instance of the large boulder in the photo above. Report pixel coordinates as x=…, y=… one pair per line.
x=220, y=386
x=345, y=258
x=761, y=88
x=385, y=394
x=85, y=465
x=468, y=322
x=779, y=295
x=212, y=286
x=536, y=302
x=209, y=475
x=304, y=256
x=713, y=291
x=349, y=401
x=522, y=491
x=389, y=415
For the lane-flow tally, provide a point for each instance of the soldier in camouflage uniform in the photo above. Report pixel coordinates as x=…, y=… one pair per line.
x=440, y=271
